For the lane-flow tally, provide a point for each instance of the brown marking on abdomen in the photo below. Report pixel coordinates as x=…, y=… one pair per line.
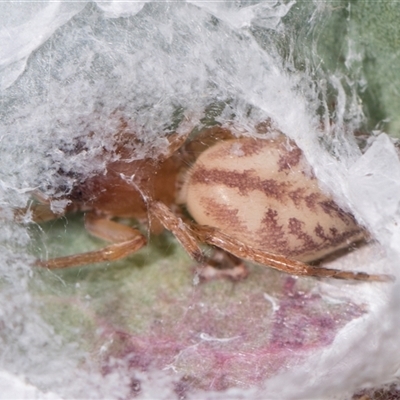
x=311, y=201
x=245, y=182
x=296, y=228
x=289, y=159
x=336, y=238
x=272, y=234
x=222, y=214
x=334, y=211
x=297, y=196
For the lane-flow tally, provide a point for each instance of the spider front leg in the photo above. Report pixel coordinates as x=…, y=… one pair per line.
x=37, y=213
x=219, y=265
x=180, y=229
x=215, y=237
x=125, y=241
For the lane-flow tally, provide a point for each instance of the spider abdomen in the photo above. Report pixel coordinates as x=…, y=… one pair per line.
x=263, y=193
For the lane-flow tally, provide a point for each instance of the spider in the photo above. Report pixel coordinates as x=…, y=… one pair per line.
x=253, y=199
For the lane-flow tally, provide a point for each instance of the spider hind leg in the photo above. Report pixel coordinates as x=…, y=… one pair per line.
x=124, y=241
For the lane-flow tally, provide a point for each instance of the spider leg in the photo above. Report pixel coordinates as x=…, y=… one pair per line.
x=181, y=230
x=36, y=213
x=215, y=237
x=221, y=264
x=125, y=240
x=39, y=211
x=209, y=267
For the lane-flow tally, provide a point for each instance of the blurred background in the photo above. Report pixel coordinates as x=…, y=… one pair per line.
x=71, y=74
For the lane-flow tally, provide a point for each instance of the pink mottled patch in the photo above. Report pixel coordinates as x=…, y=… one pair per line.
x=302, y=321
x=235, y=344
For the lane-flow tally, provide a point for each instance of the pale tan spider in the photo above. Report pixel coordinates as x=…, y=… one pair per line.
x=256, y=199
